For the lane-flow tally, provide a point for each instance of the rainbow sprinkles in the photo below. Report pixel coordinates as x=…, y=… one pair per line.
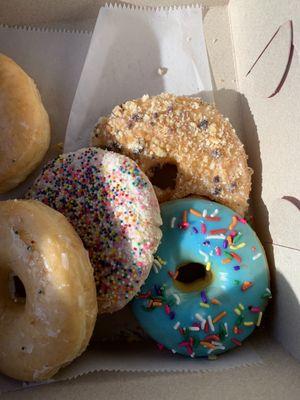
x=222, y=284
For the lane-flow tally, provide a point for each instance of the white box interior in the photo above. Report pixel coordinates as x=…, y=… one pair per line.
x=270, y=127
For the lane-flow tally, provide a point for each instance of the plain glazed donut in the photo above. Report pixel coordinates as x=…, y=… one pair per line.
x=113, y=207
x=49, y=321
x=24, y=125
x=209, y=285
x=185, y=146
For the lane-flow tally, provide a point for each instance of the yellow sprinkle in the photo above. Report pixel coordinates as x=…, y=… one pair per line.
x=237, y=311
x=163, y=262
x=239, y=246
x=259, y=319
x=204, y=305
x=208, y=266
x=248, y=323
x=241, y=306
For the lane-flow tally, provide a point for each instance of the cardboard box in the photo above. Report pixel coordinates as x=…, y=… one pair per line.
x=236, y=33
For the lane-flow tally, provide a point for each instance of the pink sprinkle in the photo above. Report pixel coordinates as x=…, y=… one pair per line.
x=237, y=342
x=160, y=346
x=203, y=228
x=255, y=309
x=232, y=234
x=184, y=225
x=241, y=220
x=218, y=251
x=167, y=309
x=196, y=324
x=184, y=344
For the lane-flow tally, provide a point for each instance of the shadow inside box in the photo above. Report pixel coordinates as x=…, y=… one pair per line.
x=281, y=318
x=234, y=105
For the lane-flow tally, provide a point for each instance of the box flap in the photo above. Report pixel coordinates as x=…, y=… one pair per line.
x=271, y=124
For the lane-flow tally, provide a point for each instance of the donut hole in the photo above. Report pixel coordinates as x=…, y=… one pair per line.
x=17, y=290
x=192, y=276
x=164, y=175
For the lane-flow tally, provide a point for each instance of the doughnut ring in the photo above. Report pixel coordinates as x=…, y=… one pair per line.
x=48, y=304
x=24, y=125
x=184, y=145
x=209, y=284
x=113, y=207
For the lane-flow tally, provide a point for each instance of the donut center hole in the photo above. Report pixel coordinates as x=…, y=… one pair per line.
x=164, y=176
x=17, y=290
x=192, y=277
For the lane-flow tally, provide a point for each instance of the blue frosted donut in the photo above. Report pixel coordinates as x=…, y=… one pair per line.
x=209, y=283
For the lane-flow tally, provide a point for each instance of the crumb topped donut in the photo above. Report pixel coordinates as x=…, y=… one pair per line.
x=24, y=125
x=184, y=145
x=113, y=207
x=48, y=303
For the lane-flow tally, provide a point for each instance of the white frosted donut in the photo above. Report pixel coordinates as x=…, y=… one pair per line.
x=113, y=207
x=50, y=321
x=24, y=125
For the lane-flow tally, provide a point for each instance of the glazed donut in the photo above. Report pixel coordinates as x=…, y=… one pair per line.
x=48, y=303
x=113, y=207
x=210, y=280
x=24, y=125
x=184, y=145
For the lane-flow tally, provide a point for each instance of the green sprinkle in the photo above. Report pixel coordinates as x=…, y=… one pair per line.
x=228, y=254
x=222, y=332
x=237, y=238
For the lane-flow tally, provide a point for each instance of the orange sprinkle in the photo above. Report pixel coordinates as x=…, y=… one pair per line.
x=195, y=212
x=219, y=316
x=226, y=260
x=175, y=275
x=246, y=285
x=217, y=231
x=215, y=301
x=229, y=239
x=184, y=217
x=207, y=344
x=233, y=222
x=208, y=218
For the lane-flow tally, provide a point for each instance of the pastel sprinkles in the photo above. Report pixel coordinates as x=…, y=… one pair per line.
x=113, y=208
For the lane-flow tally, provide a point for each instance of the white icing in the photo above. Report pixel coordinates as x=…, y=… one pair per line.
x=65, y=261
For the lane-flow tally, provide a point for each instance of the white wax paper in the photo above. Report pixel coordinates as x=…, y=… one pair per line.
x=127, y=49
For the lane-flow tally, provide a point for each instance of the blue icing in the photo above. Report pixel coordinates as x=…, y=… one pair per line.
x=175, y=318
